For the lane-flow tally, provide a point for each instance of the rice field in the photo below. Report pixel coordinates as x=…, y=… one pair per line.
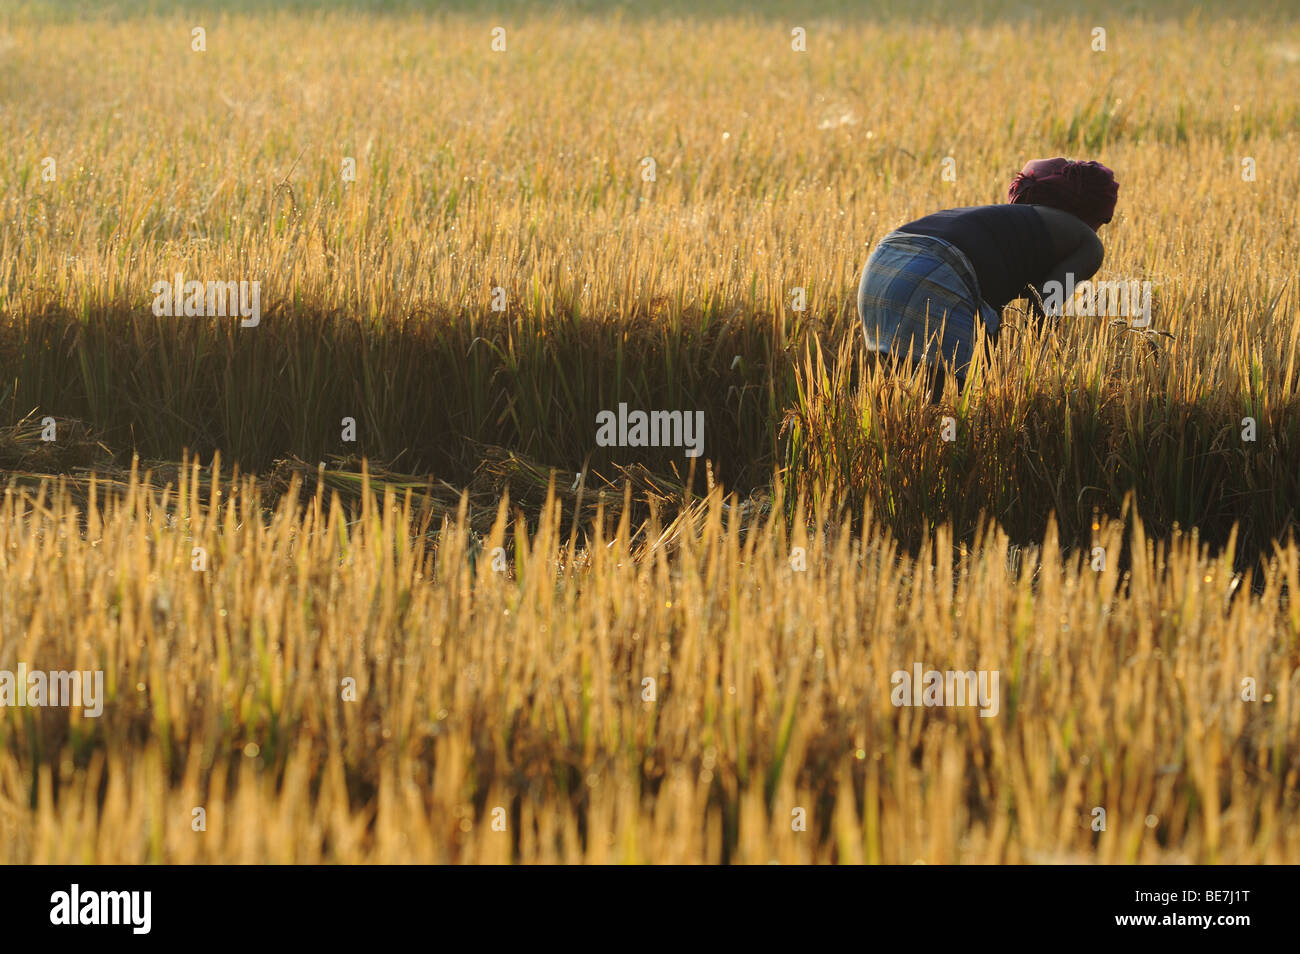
x=365, y=587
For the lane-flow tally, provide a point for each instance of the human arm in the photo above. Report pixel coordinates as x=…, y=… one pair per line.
x=1078, y=253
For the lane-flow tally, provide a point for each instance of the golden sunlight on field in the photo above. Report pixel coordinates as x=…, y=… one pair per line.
x=616, y=654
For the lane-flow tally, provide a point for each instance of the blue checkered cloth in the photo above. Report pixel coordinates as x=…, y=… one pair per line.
x=919, y=296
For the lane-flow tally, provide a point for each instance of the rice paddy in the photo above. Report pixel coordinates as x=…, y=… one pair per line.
x=364, y=585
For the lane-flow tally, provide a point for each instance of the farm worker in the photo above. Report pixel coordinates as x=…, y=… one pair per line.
x=928, y=283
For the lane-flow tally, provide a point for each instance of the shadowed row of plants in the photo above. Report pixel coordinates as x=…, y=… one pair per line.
x=1046, y=441
x=1031, y=436
x=424, y=392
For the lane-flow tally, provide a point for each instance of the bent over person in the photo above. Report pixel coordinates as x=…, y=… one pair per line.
x=928, y=283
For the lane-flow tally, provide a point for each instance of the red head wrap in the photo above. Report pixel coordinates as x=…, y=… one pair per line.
x=1085, y=189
